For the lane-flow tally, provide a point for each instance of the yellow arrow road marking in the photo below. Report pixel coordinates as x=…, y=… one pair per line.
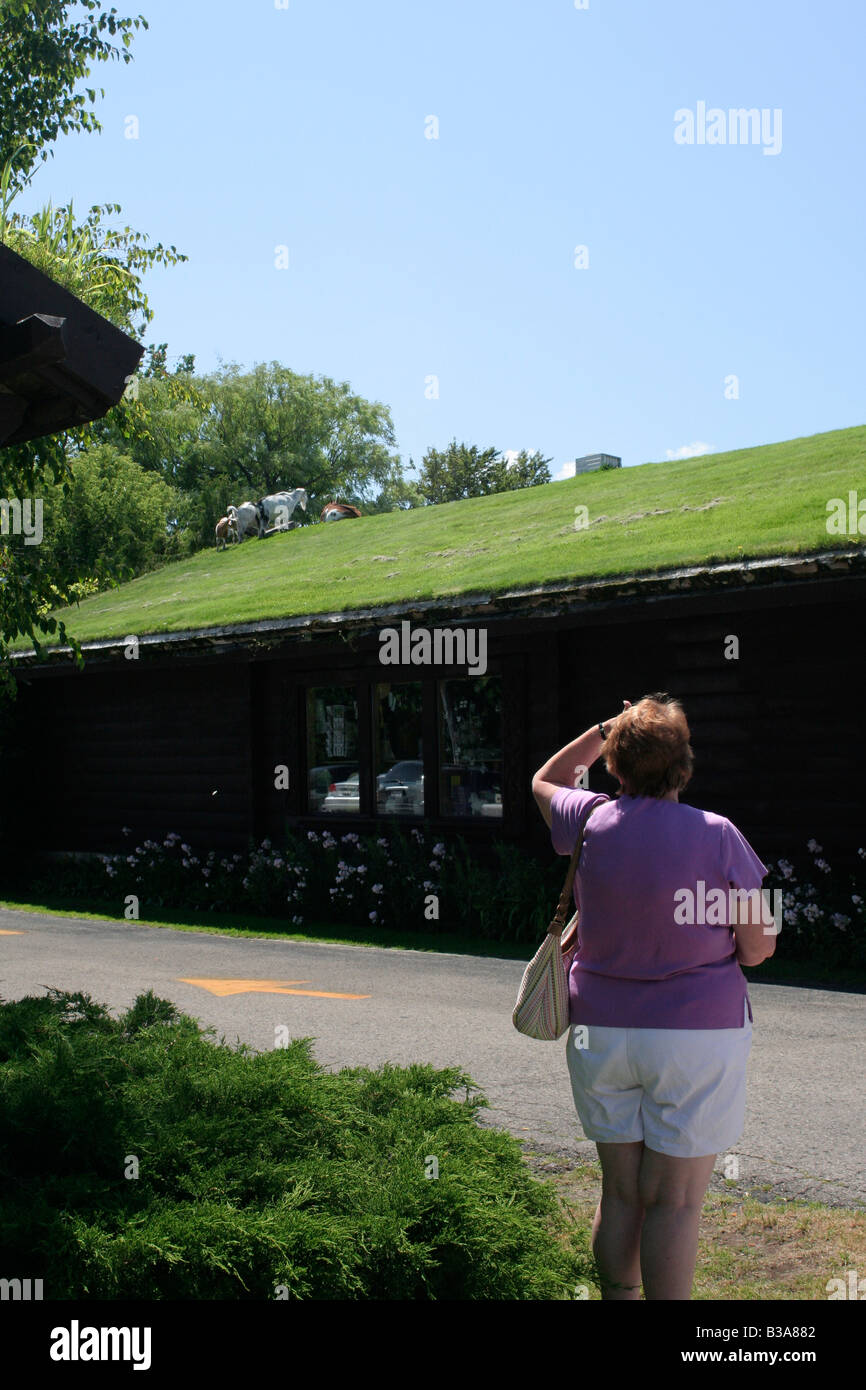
x=224, y=987
x=5, y=932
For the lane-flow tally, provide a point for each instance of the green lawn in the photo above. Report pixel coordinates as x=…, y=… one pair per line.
x=750, y=502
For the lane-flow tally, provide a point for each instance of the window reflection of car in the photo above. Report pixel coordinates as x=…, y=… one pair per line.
x=400, y=790
x=344, y=797
x=322, y=782
x=472, y=791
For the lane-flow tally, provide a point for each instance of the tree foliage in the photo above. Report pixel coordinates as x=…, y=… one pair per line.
x=101, y=265
x=448, y=475
x=45, y=51
x=268, y=429
x=44, y=54
x=150, y=480
x=109, y=522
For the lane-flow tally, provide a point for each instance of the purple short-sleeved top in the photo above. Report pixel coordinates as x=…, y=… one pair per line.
x=636, y=966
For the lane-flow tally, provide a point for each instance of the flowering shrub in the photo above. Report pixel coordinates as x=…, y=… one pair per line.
x=314, y=877
x=400, y=882
x=823, y=913
x=417, y=882
x=169, y=874
x=386, y=882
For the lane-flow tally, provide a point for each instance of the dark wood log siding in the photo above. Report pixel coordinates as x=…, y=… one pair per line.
x=155, y=750
x=778, y=733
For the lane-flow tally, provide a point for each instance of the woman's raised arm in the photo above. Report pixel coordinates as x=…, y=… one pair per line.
x=562, y=769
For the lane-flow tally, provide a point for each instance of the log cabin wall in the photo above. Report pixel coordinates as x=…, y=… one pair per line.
x=777, y=733
x=157, y=750
x=189, y=741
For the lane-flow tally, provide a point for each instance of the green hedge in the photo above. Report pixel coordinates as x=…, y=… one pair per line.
x=259, y=1175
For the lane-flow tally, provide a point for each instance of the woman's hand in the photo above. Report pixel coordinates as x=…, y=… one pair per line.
x=608, y=723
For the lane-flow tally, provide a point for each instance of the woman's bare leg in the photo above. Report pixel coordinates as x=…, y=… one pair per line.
x=672, y=1192
x=616, y=1229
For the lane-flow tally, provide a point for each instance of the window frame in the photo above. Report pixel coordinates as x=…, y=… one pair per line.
x=364, y=684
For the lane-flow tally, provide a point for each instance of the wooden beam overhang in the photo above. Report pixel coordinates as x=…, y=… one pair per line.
x=61, y=363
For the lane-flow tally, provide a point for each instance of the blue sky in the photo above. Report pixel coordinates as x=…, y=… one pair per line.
x=412, y=258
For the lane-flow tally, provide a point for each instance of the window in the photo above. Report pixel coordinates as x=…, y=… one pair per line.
x=333, y=762
x=470, y=744
x=398, y=752
x=369, y=744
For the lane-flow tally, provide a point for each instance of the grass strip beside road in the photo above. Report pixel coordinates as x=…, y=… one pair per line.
x=803, y=974
x=273, y=928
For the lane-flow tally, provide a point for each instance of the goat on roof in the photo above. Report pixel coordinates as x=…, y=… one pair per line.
x=275, y=510
x=226, y=530
x=338, y=511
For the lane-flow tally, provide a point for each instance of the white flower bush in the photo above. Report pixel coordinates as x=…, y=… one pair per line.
x=818, y=923
x=316, y=878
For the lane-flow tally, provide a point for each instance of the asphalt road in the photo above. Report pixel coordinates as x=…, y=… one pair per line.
x=805, y=1118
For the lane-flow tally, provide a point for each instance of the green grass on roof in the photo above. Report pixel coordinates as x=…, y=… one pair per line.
x=770, y=500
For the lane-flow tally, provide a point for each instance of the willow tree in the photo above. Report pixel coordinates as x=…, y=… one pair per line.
x=271, y=428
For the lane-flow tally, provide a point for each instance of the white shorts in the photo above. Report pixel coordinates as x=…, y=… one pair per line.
x=681, y=1090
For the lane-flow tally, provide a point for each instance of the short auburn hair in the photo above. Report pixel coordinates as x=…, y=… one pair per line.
x=648, y=748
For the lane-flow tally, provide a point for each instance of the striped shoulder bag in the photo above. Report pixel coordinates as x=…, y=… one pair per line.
x=542, y=1008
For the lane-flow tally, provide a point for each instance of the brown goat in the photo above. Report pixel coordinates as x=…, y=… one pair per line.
x=225, y=531
x=338, y=511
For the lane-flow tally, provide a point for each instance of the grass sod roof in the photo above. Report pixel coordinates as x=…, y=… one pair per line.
x=765, y=501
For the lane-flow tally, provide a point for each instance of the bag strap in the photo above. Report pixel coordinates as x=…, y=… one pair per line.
x=557, y=926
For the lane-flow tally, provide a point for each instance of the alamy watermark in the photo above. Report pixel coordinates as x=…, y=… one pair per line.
x=22, y=518
x=77, y=1343
x=847, y=517
x=714, y=907
x=20, y=1290
x=438, y=646
x=736, y=126
x=852, y=1286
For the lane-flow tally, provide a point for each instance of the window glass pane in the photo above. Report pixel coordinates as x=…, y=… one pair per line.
x=398, y=750
x=470, y=739
x=332, y=750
